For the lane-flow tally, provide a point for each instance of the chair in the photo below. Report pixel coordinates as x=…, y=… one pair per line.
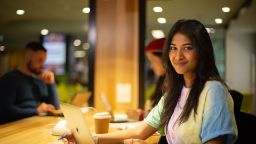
x=246, y=123
x=162, y=140
x=238, y=99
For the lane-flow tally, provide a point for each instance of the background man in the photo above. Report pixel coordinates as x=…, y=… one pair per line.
x=28, y=90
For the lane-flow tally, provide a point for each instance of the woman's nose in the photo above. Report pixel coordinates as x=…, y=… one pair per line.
x=179, y=55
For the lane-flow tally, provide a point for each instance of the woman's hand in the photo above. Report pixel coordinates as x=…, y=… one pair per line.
x=135, y=141
x=69, y=139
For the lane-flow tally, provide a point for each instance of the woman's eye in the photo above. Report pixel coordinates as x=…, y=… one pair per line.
x=172, y=48
x=187, y=48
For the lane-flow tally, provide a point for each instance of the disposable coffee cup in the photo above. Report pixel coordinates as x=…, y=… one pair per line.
x=101, y=122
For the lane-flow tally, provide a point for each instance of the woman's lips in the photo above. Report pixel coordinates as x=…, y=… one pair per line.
x=180, y=63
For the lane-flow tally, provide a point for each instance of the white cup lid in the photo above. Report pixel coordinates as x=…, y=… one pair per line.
x=102, y=115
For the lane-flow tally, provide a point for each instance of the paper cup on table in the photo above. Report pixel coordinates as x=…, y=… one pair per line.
x=101, y=122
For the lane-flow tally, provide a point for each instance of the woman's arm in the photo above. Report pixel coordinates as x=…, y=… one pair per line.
x=143, y=131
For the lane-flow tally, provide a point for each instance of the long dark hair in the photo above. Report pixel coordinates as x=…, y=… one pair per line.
x=205, y=70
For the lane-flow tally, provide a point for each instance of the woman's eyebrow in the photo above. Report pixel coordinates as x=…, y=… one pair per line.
x=186, y=44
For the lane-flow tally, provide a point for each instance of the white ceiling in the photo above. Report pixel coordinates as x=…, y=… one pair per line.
x=204, y=10
x=66, y=16
x=60, y=15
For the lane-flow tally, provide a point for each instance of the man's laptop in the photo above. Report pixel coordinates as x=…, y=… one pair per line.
x=77, y=124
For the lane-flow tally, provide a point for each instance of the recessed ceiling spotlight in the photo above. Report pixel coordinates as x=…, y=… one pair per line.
x=86, y=10
x=79, y=54
x=226, y=9
x=218, y=20
x=44, y=31
x=77, y=42
x=157, y=9
x=161, y=20
x=86, y=46
x=2, y=48
x=157, y=34
x=20, y=12
x=210, y=30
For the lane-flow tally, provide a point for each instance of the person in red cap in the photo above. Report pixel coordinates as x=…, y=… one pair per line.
x=154, y=52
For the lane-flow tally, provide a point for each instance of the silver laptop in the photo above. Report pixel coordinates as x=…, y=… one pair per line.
x=77, y=124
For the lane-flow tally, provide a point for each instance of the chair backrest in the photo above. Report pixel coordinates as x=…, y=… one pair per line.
x=245, y=121
x=238, y=99
x=246, y=124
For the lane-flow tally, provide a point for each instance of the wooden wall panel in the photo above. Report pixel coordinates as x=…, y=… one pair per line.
x=116, y=53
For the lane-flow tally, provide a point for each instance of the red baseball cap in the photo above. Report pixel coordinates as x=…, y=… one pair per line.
x=156, y=45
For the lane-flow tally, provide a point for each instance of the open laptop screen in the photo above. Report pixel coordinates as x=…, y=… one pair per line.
x=77, y=124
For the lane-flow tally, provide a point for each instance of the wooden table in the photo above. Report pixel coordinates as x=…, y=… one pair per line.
x=32, y=130
x=116, y=126
x=35, y=130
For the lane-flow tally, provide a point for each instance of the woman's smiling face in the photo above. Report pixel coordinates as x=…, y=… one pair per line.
x=182, y=54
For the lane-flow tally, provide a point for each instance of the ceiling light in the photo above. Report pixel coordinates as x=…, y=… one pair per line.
x=210, y=30
x=157, y=34
x=86, y=46
x=161, y=20
x=86, y=10
x=79, y=54
x=44, y=31
x=226, y=9
x=218, y=20
x=157, y=9
x=77, y=42
x=20, y=12
x=2, y=48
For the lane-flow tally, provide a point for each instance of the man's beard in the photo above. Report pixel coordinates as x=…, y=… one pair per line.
x=33, y=70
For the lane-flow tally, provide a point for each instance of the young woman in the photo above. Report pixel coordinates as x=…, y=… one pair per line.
x=197, y=107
